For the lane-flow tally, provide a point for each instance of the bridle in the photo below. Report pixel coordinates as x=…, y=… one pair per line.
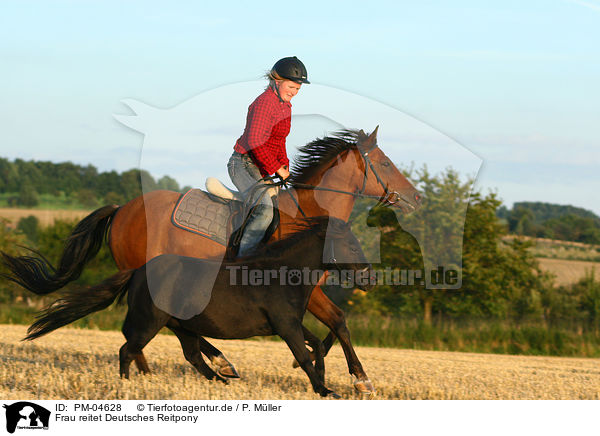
x=387, y=197
x=333, y=260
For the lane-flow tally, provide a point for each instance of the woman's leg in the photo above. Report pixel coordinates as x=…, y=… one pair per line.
x=244, y=175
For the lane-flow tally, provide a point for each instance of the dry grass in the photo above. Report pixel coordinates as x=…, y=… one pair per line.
x=46, y=217
x=568, y=272
x=82, y=364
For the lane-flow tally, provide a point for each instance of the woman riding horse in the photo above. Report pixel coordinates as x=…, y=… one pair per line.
x=260, y=151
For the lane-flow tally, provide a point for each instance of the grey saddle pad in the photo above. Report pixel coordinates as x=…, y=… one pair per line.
x=204, y=214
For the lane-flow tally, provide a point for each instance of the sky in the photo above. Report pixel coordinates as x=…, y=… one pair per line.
x=504, y=90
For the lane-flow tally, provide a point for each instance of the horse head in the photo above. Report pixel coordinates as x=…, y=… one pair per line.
x=350, y=162
x=343, y=253
x=382, y=178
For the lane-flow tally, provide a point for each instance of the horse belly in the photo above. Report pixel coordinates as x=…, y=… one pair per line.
x=228, y=325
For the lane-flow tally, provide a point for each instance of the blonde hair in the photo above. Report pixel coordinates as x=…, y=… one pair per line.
x=272, y=76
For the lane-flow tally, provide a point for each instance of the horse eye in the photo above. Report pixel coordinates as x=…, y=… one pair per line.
x=385, y=164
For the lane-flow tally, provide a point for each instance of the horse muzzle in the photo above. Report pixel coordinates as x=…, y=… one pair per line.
x=365, y=279
x=406, y=204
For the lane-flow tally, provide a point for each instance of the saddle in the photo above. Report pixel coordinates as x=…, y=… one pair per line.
x=217, y=214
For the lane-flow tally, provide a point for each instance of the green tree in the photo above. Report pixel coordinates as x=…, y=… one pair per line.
x=87, y=198
x=134, y=180
x=401, y=258
x=28, y=196
x=166, y=182
x=499, y=280
x=29, y=226
x=114, y=198
x=9, y=243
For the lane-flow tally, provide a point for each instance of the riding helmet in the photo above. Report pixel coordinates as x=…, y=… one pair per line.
x=291, y=68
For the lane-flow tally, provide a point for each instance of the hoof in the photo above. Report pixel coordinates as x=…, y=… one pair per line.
x=364, y=387
x=334, y=395
x=223, y=380
x=329, y=393
x=228, y=372
x=224, y=368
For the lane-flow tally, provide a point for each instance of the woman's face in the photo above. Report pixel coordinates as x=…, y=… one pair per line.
x=287, y=89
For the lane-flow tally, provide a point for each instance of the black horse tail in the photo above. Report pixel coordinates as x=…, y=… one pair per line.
x=39, y=276
x=77, y=304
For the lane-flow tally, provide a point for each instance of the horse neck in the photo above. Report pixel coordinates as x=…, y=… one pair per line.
x=307, y=252
x=341, y=176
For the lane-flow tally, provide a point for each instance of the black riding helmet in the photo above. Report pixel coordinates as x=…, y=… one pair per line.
x=292, y=69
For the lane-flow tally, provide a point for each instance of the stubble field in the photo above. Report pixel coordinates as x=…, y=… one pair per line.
x=46, y=217
x=83, y=364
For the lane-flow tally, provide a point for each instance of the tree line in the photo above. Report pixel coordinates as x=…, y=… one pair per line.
x=23, y=182
x=553, y=221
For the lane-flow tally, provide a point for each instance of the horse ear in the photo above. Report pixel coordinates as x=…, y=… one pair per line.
x=370, y=142
x=373, y=136
x=361, y=135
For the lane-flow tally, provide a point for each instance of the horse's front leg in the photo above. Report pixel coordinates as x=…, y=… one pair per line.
x=224, y=367
x=318, y=352
x=291, y=331
x=333, y=317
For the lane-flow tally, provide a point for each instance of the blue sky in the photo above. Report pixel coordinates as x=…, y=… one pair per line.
x=514, y=82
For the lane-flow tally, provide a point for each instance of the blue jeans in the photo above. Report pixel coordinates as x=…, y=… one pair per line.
x=244, y=175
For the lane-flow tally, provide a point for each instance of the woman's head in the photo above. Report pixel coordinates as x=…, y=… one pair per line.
x=288, y=75
x=286, y=88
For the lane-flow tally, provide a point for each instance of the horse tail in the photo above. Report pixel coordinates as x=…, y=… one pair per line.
x=39, y=276
x=77, y=304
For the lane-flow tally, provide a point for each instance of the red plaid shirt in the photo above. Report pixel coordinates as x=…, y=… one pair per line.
x=267, y=125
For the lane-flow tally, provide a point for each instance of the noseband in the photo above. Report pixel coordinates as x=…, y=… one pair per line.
x=389, y=197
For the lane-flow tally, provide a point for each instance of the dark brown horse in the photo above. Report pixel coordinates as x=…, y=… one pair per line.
x=161, y=292
x=342, y=168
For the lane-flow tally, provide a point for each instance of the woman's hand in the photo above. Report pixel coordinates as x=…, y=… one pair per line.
x=283, y=172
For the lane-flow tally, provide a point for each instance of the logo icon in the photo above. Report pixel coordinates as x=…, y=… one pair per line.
x=26, y=415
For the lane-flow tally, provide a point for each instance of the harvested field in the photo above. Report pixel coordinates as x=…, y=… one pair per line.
x=568, y=271
x=83, y=364
x=46, y=217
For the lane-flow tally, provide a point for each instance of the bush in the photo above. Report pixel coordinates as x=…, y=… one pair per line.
x=29, y=227
x=28, y=196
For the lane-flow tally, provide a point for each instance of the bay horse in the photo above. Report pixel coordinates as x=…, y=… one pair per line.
x=233, y=309
x=327, y=177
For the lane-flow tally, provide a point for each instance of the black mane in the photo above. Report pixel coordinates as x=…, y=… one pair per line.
x=319, y=152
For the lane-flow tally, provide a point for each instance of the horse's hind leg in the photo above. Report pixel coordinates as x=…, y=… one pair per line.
x=193, y=354
x=141, y=363
x=138, y=329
